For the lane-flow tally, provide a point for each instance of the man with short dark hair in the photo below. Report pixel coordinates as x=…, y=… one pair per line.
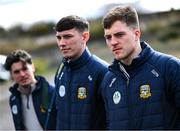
x=141, y=90
x=30, y=95
x=79, y=104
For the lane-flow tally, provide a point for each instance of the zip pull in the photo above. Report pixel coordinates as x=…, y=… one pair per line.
x=27, y=104
x=127, y=82
x=124, y=72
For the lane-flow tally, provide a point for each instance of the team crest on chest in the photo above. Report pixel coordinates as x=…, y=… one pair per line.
x=145, y=91
x=14, y=109
x=116, y=97
x=62, y=91
x=82, y=93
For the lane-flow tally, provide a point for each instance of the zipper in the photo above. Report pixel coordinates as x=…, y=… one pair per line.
x=69, y=98
x=125, y=74
x=123, y=70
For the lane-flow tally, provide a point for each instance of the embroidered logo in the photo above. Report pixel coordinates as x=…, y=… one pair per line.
x=155, y=73
x=14, y=109
x=116, y=97
x=62, y=91
x=42, y=108
x=145, y=91
x=82, y=93
x=61, y=75
x=90, y=78
x=13, y=98
x=112, y=81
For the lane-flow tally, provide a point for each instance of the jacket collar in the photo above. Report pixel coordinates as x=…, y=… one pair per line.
x=81, y=61
x=146, y=52
x=40, y=80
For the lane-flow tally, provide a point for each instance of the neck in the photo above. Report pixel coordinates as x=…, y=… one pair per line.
x=79, y=55
x=27, y=88
x=133, y=55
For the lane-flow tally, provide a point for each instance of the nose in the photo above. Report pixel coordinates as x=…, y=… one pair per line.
x=61, y=42
x=21, y=73
x=113, y=41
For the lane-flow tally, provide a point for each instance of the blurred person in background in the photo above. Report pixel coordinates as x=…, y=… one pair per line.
x=142, y=87
x=30, y=95
x=78, y=102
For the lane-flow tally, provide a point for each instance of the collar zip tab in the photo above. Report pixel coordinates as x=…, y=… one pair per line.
x=121, y=67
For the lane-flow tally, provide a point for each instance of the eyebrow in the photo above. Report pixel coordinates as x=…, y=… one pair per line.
x=24, y=68
x=120, y=32
x=117, y=33
x=58, y=36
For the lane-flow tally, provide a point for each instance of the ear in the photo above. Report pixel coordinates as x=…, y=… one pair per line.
x=33, y=68
x=12, y=78
x=86, y=36
x=137, y=33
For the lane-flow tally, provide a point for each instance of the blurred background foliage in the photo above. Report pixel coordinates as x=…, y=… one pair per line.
x=41, y=65
x=160, y=30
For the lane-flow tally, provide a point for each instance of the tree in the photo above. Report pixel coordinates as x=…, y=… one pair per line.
x=3, y=32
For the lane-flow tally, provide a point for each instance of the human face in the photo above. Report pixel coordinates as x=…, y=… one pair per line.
x=23, y=73
x=123, y=41
x=72, y=43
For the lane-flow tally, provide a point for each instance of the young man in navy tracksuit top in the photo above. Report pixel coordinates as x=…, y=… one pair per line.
x=78, y=102
x=142, y=87
x=31, y=95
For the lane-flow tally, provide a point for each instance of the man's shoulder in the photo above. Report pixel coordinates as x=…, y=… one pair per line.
x=13, y=88
x=99, y=61
x=163, y=59
x=109, y=77
x=97, y=66
x=43, y=81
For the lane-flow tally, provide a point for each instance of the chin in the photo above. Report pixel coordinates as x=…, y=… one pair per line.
x=25, y=84
x=119, y=58
x=67, y=56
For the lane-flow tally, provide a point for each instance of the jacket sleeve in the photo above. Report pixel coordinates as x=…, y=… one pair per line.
x=173, y=79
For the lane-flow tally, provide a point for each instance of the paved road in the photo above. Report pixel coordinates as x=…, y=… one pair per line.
x=6, y=122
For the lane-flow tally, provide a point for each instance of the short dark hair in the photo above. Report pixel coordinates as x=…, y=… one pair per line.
x=72, y=21
x=16, y=56
x=125, y=14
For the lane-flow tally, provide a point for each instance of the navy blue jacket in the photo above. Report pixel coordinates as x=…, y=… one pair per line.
x=41, y=99
x=79, y=106
x=144, y=95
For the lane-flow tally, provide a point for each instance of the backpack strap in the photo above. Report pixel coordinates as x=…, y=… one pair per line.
x=45, y=97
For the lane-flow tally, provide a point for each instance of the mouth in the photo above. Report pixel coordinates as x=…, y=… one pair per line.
x=117, y=50
x=64, y=50
x=24, y=80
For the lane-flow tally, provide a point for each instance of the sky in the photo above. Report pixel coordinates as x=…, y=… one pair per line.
x=26, y=12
